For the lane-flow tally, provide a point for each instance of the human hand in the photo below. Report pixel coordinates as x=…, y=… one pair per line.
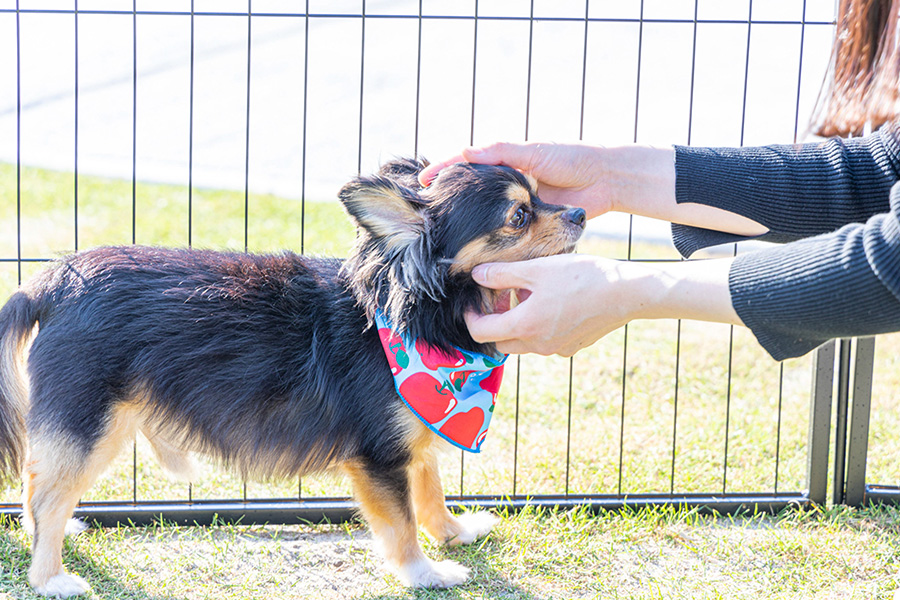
x=571, y=174
x=562, y=307
x=639, y=180
x=573, y=300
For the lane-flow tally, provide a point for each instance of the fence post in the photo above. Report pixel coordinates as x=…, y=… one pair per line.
x=858, y=447
x=820, y=423
x=840, y=425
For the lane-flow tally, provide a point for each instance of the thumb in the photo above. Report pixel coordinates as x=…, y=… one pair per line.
x=501, y=276
x=490, y=328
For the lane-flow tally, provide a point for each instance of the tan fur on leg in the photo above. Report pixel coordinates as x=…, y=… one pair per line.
x=431, y=507
x=59, y=474
x=57, y=483
x=390, y=516
x=428, y=499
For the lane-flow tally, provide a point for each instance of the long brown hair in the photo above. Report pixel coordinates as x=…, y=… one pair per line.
x=862, y=86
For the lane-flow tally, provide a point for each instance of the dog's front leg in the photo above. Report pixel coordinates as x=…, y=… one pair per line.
x=383, y=494
x=431, y=508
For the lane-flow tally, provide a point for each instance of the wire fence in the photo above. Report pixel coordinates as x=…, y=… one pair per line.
x=231, y=124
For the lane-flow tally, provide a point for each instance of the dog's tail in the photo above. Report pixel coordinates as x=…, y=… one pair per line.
x=17, y=320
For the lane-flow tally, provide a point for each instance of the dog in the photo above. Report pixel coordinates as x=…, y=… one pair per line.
x=270, y=364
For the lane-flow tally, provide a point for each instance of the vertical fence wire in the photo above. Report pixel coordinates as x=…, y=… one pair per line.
x=519, y=357
x=678, y=326
x=462, y=454
x=637, y=105
x=796, y=129
x=734, y=253
x=191, y=166
x=587, y=11
x=362, y=85
x=247, y=131
x=418, y=83
x=75, y=169
x=134, y=494
x=303, y=161
x=191, y=138
x=303, y=146
x=18, y=146
x=134, y=46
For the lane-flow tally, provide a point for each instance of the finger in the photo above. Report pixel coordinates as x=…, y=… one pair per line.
x=496, y=327
x=517, y=156
x=502, y=276
x=427, y=175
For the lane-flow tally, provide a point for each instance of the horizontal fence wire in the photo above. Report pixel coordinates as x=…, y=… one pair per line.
x=425, y=17
x=305, y=506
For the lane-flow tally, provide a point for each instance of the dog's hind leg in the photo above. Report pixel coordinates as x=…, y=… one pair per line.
x=58, y=473
x=177, y=462
x=383, y=494
x=431, y=508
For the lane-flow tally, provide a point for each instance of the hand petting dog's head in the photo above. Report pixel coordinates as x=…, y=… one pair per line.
x=417, y=247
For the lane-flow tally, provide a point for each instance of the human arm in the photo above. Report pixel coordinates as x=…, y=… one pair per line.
x=777, y=193
x=793, y=297
x=634, y=179
x=573, y=300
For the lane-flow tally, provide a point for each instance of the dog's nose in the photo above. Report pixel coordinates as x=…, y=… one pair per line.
x=575, y=216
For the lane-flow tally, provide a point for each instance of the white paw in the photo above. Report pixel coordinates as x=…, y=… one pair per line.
x=63, y=586
x=75, y=526
x=427, y=573
x=475, y=525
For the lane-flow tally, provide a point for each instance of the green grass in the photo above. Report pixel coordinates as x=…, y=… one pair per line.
x=647, y=554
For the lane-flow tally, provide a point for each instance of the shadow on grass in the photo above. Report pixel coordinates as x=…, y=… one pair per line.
x=15, y=558
x=485, y=578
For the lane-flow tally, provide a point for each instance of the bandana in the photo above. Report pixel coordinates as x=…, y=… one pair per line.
x=452, y=394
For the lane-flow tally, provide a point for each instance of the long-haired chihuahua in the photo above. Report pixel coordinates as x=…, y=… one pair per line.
x=274, y=365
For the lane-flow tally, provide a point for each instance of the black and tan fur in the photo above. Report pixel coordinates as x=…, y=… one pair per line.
x=267, y=363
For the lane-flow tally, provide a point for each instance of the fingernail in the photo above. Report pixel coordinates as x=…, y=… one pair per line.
x=475, y=151
x=479, y=274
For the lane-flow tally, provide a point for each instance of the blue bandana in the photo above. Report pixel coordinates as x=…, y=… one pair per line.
x=452, y=394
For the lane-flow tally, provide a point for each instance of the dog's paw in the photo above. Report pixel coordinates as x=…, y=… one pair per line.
x=427, y=573
x=474, y=526
x=75, y=526
x=63, y=585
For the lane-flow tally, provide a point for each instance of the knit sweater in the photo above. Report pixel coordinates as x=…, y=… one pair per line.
x=835, y=210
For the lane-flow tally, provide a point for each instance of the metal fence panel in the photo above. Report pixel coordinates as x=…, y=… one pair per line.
x=355, y=82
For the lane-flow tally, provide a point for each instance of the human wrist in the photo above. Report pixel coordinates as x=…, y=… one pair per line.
x=696, y=290
x=639, y=179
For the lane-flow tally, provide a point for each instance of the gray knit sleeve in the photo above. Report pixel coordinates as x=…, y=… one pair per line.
x=795, y=191
x=845, y=283
x=837, y=204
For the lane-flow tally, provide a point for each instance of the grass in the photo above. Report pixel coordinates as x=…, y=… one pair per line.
x=647, y=554
x=624, y=409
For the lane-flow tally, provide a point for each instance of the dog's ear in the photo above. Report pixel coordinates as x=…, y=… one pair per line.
x=390, y=212
x=404, y=171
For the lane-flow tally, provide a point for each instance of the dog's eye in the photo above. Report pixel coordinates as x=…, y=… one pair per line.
x=520, y=218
